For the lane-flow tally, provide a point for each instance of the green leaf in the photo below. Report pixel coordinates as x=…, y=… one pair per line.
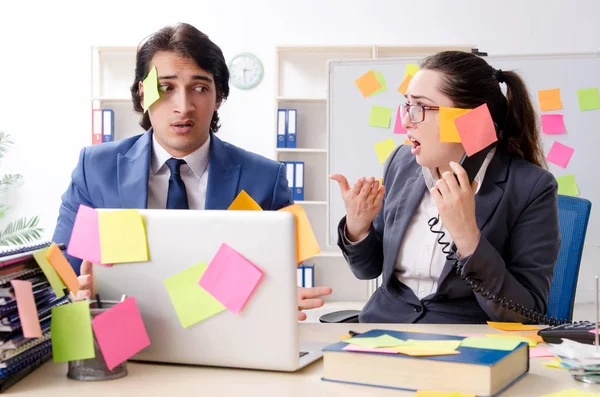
x=21, y=231
x=5, y=142
x=9, y=180
x=3, y=210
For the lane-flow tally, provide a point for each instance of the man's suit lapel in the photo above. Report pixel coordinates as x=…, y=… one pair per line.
x=133, y=170
x=223, y=177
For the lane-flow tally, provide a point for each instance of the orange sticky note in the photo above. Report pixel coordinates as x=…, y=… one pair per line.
x=368, y=83
x=404, y=85
x=344, y=337
x=306, y=242
x=512, y=326
x=63, y=268
x=448, y=131
x=408, y=142
x=476, y=129
x=28, y=314
x=243, y=202
x=550, y=99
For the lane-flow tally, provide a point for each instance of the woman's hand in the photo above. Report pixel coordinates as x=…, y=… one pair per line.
x=456, y=205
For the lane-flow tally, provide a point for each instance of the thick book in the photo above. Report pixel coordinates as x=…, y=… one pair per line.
x=483, y=372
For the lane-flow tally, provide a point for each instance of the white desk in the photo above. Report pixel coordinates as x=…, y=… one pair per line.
x=171, y=380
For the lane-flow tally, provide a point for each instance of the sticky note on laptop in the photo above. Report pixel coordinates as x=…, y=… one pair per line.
x=122, y=236
x=306, y=242
x=71, y=330
x=85, y=237
x=244, y=202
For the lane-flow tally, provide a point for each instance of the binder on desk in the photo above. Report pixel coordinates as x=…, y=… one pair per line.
x=289, y=168
x=97, y=126
x=281, y=129
x=291, y=128
x=108, y=127
x=306, y=276
x=300, y=275
x=299, y=181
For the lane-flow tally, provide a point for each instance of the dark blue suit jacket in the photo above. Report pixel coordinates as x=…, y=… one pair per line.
x=115, y=175
x=517, y=213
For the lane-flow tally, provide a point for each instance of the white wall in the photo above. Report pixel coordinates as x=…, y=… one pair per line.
x=45, y=63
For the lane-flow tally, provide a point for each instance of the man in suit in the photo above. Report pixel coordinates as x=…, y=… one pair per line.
x=178, y=163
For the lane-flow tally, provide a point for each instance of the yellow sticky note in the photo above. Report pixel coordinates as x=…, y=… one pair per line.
x=404, y=85
x=418, y=352
x=380, y=116
x=448, y=130
x=376, y=342
x=490, y=343
x=384, y=148
x=411, y=70
x=344, y=337
x=122, y=236
x=572, y=393
x=439, y=345
x=381, y=80
x=550, y=99
x=306, y=242
x=53, y=278
x=567, y=185
x=512, y=326
x=429, y=393
x=554, y=364
x=150, y=86
x=368, y=83
x=243, y=202
x=521, y=338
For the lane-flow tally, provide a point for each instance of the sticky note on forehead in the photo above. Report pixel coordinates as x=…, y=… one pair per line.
x=150, y=85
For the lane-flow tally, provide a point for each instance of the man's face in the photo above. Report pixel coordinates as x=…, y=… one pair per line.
x=188, y=98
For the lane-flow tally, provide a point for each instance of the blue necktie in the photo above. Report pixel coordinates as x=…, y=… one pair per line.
x=177, y=198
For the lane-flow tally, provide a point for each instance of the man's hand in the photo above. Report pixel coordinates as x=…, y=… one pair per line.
x=310, y=298
x=86, y=282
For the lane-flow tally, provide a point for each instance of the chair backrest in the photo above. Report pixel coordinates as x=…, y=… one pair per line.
x=573, y=215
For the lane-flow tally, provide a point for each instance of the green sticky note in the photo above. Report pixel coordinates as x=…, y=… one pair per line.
x=376, y=342
x=150, y=85
x=589, y=99
x=567, y=185
x=490, y=343
x=381, y=80
x=53, y=278
x=122, y=236
x=380, y=117
x=438, y=345
x=71, y=330
x=192, y=303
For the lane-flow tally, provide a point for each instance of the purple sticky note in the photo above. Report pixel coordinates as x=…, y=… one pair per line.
x=560, y=154
x=120, y=332
x=398, y=128
x=85, y=237
x=553, y=124
x=230, y=278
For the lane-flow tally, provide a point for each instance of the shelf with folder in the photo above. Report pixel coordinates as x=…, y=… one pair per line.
x=306, y=121
x=301, y=150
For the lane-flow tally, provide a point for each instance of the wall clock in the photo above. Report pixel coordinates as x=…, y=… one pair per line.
x=245, y=70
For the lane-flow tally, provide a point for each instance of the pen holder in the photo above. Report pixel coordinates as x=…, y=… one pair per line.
x=94, y=369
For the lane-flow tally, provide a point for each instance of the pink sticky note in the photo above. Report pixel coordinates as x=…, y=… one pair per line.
x=28, y=314
x=553, y=124
x=85, y=237
x=230, y=278
x=593, y=331
x=398, y=129
x=360, y=349
x=540, y=351
x=560, y=154
x=120, y=332
x=476, y=129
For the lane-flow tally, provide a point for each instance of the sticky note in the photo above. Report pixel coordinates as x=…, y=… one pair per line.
x=554, y=364
x=120, y=332
x=593, y=331
x=381, y=80
x=368, y=83
x=122, y=236
x=490, y=343
x=427, y=393
x=553, y=124
x=520, y=338
x=376, y=342
x=243, y=202
x=404, y=85
x=419, y=352
x=476, y=129
x=85, y=237
x=28, y=314
x=560, y=154
x=383, y=149
x=407, y=142
x=191, y=302
x=398, y=128
x=380, y=117
x=434, y=344
x=361, y=349
x=572, y=393
x=540, y=351
x=306, y=241
x=549, y=99
x=344, y=337
x=231, y=278
x=71, y=330
x=503, y=326
x=55, y=282
x=588, y=99
x=150, y=86
x=448, y=131
x=567, y=185
x=411, y=70
x=63, y=268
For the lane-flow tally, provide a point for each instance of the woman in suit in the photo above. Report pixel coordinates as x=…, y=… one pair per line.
x=504, y=226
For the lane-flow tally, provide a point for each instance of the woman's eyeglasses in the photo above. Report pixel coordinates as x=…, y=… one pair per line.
x=416, y=112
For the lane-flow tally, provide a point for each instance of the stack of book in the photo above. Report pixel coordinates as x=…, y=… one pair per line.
x=20, y=355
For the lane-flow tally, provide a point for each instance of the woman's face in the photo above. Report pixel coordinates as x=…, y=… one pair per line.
x=425, y=135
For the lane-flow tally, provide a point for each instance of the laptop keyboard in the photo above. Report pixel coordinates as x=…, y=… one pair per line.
x=302, y=354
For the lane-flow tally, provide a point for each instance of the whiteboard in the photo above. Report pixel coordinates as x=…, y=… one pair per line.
x=351, y=140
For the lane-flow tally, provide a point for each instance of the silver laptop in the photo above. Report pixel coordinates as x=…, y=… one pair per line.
x=264, y=335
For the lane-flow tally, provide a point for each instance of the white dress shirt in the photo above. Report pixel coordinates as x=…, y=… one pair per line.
x=420, y=259
x=194, y=174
